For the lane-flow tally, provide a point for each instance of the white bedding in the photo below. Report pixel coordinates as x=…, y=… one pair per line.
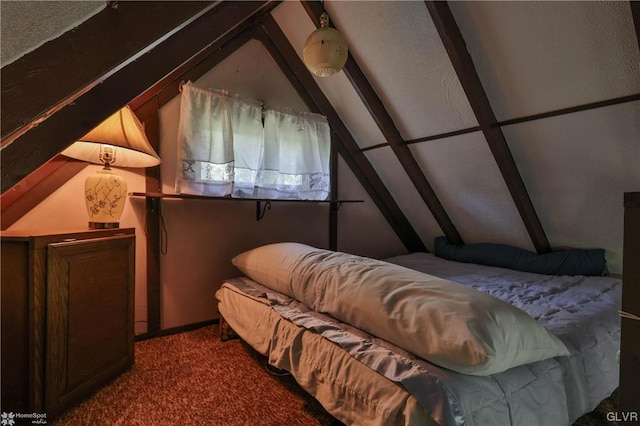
x=446, y=323
x=581, y=311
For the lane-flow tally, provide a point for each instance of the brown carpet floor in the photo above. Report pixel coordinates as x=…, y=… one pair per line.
x=193, y=378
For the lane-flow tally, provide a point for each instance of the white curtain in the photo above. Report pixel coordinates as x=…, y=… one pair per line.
x=248, y=145
x=224, y=149
x=296, y=156
x=205, y=143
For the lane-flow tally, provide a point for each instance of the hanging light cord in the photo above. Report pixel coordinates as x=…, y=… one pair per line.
x=164, y=237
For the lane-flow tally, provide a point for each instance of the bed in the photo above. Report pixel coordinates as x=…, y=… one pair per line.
x=529, y=349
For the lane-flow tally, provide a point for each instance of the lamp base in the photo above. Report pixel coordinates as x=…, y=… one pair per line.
x=103, y=225
x=105, y=195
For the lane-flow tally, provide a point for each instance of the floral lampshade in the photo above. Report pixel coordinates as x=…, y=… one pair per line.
x=119, y=141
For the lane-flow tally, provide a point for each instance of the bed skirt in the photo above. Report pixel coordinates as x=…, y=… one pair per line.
x=343, y=385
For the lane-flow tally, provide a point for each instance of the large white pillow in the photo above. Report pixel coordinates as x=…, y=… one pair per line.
x=446, y=323
x=272, y=265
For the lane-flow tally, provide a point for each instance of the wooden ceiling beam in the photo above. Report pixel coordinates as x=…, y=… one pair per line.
x=169, y=87
x=569, y=110
x=463, y=64
x=50, y=134
x=635, y=14
x=33, y=85
x=391, y=133
x=294, y=69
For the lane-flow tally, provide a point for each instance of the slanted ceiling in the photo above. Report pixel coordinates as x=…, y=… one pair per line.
x=511, y=122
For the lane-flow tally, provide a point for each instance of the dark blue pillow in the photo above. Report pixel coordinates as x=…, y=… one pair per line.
x=563, y=262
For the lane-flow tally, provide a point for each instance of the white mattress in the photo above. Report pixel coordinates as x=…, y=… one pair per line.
x=580, y=311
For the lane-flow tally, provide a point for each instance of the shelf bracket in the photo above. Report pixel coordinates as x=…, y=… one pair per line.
x=153, y=203
x=335, y=205
x=260, y=211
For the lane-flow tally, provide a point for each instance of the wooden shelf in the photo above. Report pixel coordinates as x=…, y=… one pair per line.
x=260, y=208
x=205, y=197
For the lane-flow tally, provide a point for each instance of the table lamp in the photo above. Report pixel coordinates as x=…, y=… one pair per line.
x=118, y=141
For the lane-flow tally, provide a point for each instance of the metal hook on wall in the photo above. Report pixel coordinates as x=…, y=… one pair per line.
x=260, y=211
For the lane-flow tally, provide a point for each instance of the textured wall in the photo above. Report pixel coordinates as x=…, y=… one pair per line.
x=28, y=24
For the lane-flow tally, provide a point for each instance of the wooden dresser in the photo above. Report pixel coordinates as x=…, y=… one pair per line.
x=630, y=342
x=67, y=315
